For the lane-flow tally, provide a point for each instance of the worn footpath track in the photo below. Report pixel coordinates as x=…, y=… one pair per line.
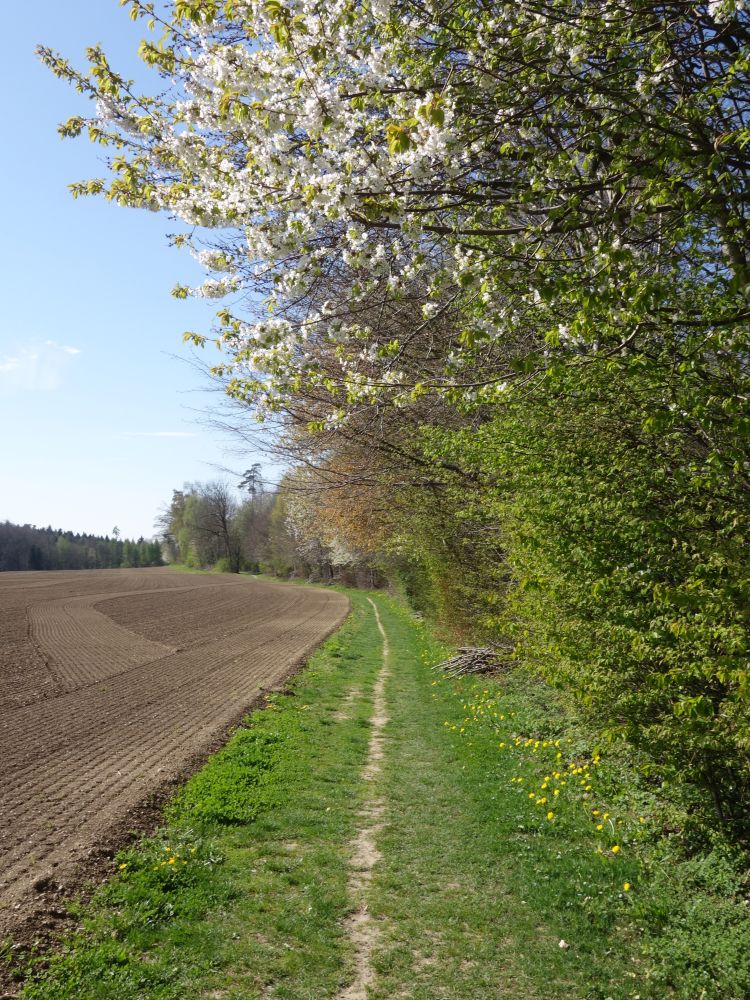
x=111, y=683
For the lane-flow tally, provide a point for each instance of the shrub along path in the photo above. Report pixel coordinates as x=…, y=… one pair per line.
x=367, y=835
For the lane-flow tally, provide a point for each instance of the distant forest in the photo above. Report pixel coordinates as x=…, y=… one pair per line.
x=24, y=546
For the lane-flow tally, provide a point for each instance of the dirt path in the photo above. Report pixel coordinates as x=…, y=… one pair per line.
x=125, y=711
x=364, y=851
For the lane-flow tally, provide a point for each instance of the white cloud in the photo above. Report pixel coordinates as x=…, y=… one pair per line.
x=66, y=348
x=159, y=434
x=37, y=366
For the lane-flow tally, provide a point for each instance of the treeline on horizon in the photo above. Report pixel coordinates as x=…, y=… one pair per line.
x=26, y=547
x=259, y=530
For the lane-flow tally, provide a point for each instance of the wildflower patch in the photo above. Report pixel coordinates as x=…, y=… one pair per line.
x=593, y=832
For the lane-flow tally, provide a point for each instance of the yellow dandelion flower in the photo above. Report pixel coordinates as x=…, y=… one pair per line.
x=550, y=815
x=616, y=849
x=123, y=866
x=600, y=826
x=626, y=886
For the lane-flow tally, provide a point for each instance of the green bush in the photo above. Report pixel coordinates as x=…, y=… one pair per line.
x=628, y=574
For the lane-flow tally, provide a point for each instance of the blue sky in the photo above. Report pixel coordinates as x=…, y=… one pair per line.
x=100, y=413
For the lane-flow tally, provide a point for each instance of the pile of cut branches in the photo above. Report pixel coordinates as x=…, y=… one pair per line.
x=470, y=660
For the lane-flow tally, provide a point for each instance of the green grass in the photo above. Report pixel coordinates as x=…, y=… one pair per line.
x=244, y=892
x=474, y=898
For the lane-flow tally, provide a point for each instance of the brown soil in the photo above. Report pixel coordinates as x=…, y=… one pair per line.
x=113, y=684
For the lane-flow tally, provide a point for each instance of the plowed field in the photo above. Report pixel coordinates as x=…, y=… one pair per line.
x=111, y=683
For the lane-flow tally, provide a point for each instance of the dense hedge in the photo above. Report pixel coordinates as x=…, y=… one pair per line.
x=618, y=568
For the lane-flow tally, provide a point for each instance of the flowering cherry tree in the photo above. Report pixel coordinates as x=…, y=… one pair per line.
x=401, y=199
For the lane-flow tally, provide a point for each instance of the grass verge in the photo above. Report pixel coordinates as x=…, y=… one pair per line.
x=546, y=866
x=517, y=861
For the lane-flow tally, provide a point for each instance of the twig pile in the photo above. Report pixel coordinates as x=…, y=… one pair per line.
x=470, y=660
